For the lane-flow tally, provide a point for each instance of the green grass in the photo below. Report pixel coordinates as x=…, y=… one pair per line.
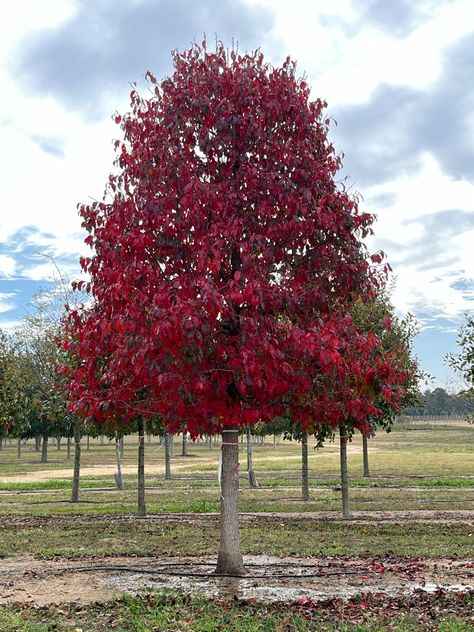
x=173, y=612
x=50, y=485
x=194, y=497
x=109, y=536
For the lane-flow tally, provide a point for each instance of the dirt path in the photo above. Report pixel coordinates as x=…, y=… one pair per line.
x=268, y=579
x=152, y=468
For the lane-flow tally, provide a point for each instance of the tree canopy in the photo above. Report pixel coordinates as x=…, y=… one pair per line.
x=225, y=258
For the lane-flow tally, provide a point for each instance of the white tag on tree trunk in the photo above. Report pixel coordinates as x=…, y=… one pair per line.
x=219, y=469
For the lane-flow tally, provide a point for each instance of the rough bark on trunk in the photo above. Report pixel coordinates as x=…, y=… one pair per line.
x=344, y=475
x=250, y=470
x=167, y=456
x=304, y=467
x=118, y=458
x=77, y=462
x=184, y=448
x=141, y=510
x=44, y=449
x=229, y=560
x=365, y=453
x=68, y=447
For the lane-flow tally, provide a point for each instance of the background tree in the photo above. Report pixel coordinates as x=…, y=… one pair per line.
x=15, y=403
x=294, y=431
x=367, y=382
x=396, y=337
x=463, y=362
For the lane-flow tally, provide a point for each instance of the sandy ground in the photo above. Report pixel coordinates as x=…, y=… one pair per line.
x=268, y=578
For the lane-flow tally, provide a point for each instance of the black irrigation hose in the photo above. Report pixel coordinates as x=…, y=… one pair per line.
x=132, y=569
x=159, y=571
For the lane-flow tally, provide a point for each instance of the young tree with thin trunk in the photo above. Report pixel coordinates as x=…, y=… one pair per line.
x=184, y=445
x=224, y=260
x=77, y=426
x=250, y=470
x=383, y=355
x=343, y=438
x=167, y=456
x=141, y=510
x=118, y=460
x=304, y=466
x=365, y=454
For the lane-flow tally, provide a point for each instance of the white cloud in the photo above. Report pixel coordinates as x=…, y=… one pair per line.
x=5, y=303
x=346, y=60
x=7, y=265
x=420, y=194
x=25, y=15
x=427, y=287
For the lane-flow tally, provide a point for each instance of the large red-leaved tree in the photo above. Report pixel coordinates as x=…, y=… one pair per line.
x=225, y=260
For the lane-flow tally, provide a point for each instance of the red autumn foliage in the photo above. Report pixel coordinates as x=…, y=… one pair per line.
x=226, y=259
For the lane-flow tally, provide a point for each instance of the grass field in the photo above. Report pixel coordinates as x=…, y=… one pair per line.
x=418, y=503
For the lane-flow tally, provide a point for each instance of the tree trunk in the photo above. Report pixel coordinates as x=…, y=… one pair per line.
x=88, y=447
x=58, y=442
x=365, y=453
x=344, y=475
x=167, y=456
x=229, y=560
x=304, y=467
x=68, y=445
x=141, y=469
x=37, y=443
x=250, y=470
x=118, y=457
x=77, y=462
x=274, y=442
x=1, y=443
x=101, y=439
x=121, y=447
x=18, y=448
x=184, y=449
x=44, y=449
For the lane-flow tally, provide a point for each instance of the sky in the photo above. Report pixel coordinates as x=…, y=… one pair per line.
x=398, y=77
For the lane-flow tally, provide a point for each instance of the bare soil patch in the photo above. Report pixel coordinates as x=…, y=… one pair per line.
x=269, y=579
